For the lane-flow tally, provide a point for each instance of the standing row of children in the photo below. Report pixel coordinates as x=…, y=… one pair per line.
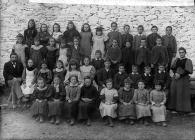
x=58, y=57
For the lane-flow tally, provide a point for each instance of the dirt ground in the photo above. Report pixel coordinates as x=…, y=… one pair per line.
x=19, y=124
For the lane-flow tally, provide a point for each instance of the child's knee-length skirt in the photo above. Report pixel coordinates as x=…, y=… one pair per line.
x=85, y=109
x=158, y=113
x=126, y=111
x=142, y=111
x=39, y=108
x=71, y=109
x=55, y=108
x=108, y=110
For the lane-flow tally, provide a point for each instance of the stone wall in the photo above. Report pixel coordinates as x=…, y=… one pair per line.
x=16, y=13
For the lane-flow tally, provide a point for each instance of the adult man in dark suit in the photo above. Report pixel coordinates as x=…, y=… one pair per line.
x=12, y=73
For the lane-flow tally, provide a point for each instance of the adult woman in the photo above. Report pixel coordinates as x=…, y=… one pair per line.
x=180, y=96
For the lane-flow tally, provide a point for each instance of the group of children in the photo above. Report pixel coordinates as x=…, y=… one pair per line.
x=72, y=73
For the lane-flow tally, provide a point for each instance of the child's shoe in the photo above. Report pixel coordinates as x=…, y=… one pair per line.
x=164, y=124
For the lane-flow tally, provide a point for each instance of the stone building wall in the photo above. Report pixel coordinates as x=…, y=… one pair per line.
x=16, y=13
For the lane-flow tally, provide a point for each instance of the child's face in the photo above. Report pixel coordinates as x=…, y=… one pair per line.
x=52, y=42
x=141, y=85
x=107, y=64
x=31, y=24
x=87, y=82
x=86, y=61
x=73, y=67
x=134, y=69
x=56, y=81
x=73, y=80
x=70, y=26
x=37, y=43
x=158, y=87
x=168, y=31
x=86, y=27
x=44, y=66
x=126, y=29
x=143, y=43
x=127, y=85
x=114, y=43
x=109, y=85
x=44, y=28
x=97, y=55
x=56, y=28
x=128, y=44
x=121, y=69
x=158, y=42
x=161, y=68
x=154, y=30
x=140, y=30
x=59, y=65
x=182, y=53
x=99, y=33
x=40, y=83
x=30, y=63
x=147, y=71
x=19, y=40
x=114, y=26
x=76, y=42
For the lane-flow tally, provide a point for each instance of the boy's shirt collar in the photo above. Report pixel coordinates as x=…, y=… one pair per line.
x=161, y=71
x=147, y=74
x=133, y=73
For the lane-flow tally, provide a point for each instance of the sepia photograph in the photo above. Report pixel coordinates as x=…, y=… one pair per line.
x=97, y=70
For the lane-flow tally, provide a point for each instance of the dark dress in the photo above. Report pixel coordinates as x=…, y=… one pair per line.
x=70, y=34
x=51, y=57
x=103, y=75
x=119, y=80
x=44, y=38
x=55, y=103
x=127, y=38
x=126, y=111
x=135, y=77
x=41, y=107
x=97, y=63
x=164, y=78
x=60, y=73
x=148, y=80
x=180, y=94
x=87, y=108
x=37, y=55
x=128, y=58
x=137, y=40
x=47, y=75
x=75, y=54
x=151, y=40
x=114, y=35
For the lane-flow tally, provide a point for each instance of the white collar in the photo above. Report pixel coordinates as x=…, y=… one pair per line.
x=146, y=74
x=134, y=73
x=98, y=58
x=161, y=71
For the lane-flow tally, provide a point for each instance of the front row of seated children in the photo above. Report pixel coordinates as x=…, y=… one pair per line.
x=75, y=102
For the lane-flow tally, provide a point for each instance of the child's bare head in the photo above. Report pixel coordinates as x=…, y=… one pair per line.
x=140, y=29
x=98, y=54
x=114, y=26
x=154, y=29
x=168, y=30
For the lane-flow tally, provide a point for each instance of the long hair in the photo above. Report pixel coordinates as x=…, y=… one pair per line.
x=71, y=22
x=32, y=20
x=41, y=27
x=57, y=25
x=82, y=28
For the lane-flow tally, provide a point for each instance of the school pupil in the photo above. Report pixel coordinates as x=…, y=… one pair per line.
x=29, y=76
x=45, y=73
x=104, y=74
x=98, y=62
x=134, y=76
x=159, y=54
x=86, y=40
x=114, y=54
x=120, y=77
x=142, y=56
x=87, y=69
x=114, y=35
x=59, y=70
x=41, y=95
x=37, y=53
x=151, y=38
x=87, y=103
x=55, y=103
x=99, y=40
x=142, y=100
x=126, y=107
x=148, y=78
x=73, y=92
x=137, y=38
x=108, y=105
x=75, y=50
x=128, y=56
x=29, y=35
x=70, y=33
x=170, y=43
x=57, y=34
x=126, y=36
x=52, y=54
x=19, y=48
x=64, y=52
x=43, y=35
x=73, y=70
x=158, y=100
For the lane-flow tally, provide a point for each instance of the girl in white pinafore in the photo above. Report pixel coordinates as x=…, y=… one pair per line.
x=29, y=78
